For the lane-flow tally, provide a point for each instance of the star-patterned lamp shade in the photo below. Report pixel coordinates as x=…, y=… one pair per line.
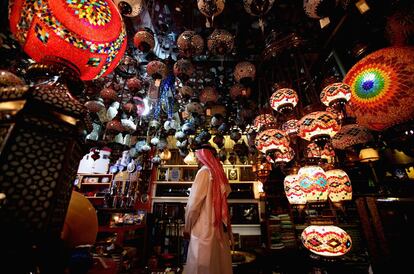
x=284, y=99
x=88, y=36
x=319, y=8
x=190, y=44
x=327, y=240
x=350, y=135
x=183, y=69
x=144, y=40
x=339, y=185
x=290, y=127
x=336, y=93
x=271, y=140
x=382, y=88
x=263, y=121
x=313, y=181
x=220, y=42
x=293, y=190
x=208, y=95
x=244, y=72
x=318, y=124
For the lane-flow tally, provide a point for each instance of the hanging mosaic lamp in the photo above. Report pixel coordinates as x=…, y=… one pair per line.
x=319, y=8
x=284, y=155
x=335, y=94
x=144, y=40
x=263, y=121
x=134, y=84
x=244, y=73
x=271, y=140
x=129, y=8
x=381, y=85
x=318, y=127
x=220, y=42
x=339, y=185
x=183, y=69
x=327, y=240
x=210, y=9
x=314, y=183
x=290, y=127
x=350, y=135
x=284, y=100
x=293, y=190
x=208, y=95
x=157, y=70
x=239, y=91
x=88, y=37
x=190, y=44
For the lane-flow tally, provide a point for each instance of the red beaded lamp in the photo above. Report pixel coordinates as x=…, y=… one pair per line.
x=284, y=99
x=339, y=185
x=336, y=93
x=271, y=140
x=318, y=127
x=239, y=91
x=263, y=121
x=290, y=127
x=144, y=40
x=87, y=36
x=350, y=135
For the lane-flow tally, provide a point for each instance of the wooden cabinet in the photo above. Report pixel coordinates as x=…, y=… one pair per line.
x=94, y=186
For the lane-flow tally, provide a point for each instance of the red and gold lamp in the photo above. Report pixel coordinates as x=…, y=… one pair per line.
x=284, y=100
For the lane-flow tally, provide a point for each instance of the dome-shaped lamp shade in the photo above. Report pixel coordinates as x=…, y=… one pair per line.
x=157, y=70
x=382, y=85
x=208, y=95
x=284, y=99
x=339, y=184
x=290, y=127
x=88, y=36
x=130, y=8
x=314, y=183
x=220, y=42
x=319, y=125
x=244, y=72
x=336, y=93
x=271, y=140
x=294, y=192
x=319, y=8
x=263, y=121
x=327, y=240
x=368, y=155
x=351, y=134
x=183, y=69
x=144, y=40
x=257, y=8
x=190, y=44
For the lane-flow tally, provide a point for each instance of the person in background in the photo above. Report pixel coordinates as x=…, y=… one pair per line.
x=207, y=220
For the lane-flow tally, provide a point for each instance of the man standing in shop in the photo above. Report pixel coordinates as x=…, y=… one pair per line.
x=207, y=220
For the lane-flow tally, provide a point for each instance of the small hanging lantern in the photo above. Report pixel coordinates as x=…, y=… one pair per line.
x=318, y=127
x=208, y=95
x=290, y=127
x=326, y=240
x=158, y=71
x=314, y=183
x=264, y=121
x=190, y=159
x=183, y=69
x=134, y=84
x=108, y=95
x=339, y=185
x=210, y=9
x=284, y=100
x=244, y=73
x=190, y=44
x=262, y=169
x=335, y=94
x=130, y=8
x=220, y=42
x=270, y=140
x=194, y=107
x=284, y=155
x=186, y=91
x=350, y=135
x=144, y=40
x=165, y=155
x=95, y=106
x=239, y=91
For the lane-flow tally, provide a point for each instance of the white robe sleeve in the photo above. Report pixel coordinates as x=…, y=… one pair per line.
x=196, y=199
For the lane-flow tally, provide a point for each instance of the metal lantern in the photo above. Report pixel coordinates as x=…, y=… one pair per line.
x=336, y=93
x=210, y=8
x=290, y=127
x=350, y=135
x=134, y=84
x=381, y=85
x=318, y=126
x=239, y=91
x=271, y=140
x=263, y=121
x=190, y=44
x=130, y=8
x=157, y=70
x=339, y=185
x=284, y=99
x=87, y=36
x=314, y=183
x=319, y=8
x=258, y=8
x=108, y=95
x=208, y=95
x=220, y=42
x=183, y=69
x=144, y=40
x=326, y=240
x=293, y=190
x=244, y=72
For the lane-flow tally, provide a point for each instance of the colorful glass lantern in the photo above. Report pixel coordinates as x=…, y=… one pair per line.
x=157, y=70
x=319, y=8
x=190, y=44
x=318, y=126
x=290, y=127
x=284, y=99
x=271, y=140
x=220, y=42
x=144, y=40
x=262, y=169
x=87, y=36
x=263, y=121
x=284, y=155
x=293, y=190
x=351, y=134
x=339, y=185
x=327, y=240
x=183, y=69
x=129, y=8
x=336, y=93
x=314, y=183
x=382, y=88
x=208, y=95
x=244, y=72
x=239, y=91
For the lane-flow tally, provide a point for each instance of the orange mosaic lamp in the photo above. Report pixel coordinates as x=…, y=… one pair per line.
x=284, y=99
x=87, y=36
x=326, y=240
x=339, y=185
x=271, y=140
x=318, y=127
